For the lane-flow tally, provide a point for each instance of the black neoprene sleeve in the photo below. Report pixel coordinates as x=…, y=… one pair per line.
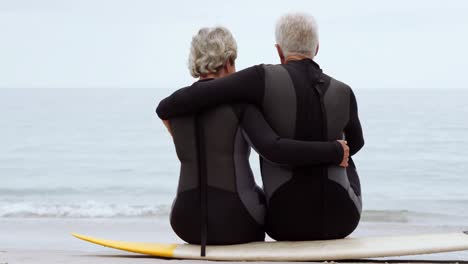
x=246, y=86
x=280, y=150
x=353, y=130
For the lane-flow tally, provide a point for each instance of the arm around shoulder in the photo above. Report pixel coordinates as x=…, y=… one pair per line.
x=246, y=86
x=286, y=151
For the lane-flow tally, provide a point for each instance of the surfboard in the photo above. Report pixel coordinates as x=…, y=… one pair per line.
x=340, y=249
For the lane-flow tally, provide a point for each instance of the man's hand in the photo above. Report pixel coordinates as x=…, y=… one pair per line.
x=168, y=126
x=344, y=144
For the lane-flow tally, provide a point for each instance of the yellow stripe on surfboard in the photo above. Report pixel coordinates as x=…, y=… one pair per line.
x=154, y=249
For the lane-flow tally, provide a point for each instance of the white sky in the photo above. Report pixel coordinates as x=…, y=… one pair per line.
x=144, y=43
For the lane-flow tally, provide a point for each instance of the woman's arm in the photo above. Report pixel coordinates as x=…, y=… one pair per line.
x=353, y=130
x=287, y=151
x=246, y=86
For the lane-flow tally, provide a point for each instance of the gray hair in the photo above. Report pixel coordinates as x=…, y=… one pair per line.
x=210, y=49
x=297, y=34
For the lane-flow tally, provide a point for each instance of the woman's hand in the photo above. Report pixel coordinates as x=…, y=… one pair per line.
x=344, y=144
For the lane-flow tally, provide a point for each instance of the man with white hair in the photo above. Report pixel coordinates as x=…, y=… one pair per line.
x=300, y=102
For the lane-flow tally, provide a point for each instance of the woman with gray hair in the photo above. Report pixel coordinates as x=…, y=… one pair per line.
x=303, y=103
x=217, y=199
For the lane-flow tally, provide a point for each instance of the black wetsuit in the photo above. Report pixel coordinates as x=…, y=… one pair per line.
x=304, y=202
x=213, y=150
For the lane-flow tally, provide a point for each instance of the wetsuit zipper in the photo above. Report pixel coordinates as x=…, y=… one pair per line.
x=203, y=183
x=324, y=173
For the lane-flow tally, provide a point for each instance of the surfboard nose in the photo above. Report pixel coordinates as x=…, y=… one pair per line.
x=78, y=235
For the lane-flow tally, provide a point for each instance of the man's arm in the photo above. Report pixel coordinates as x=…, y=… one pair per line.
x=280, y=150
x=353, y=130
x=246, y=86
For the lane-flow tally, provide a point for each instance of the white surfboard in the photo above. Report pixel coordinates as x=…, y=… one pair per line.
x=340, y=249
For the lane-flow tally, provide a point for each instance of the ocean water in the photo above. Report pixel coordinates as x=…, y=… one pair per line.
x=103, y=153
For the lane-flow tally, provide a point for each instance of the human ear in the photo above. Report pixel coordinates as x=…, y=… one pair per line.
x=280, y=53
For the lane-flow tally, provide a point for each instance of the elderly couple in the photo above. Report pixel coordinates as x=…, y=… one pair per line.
x=303, y=123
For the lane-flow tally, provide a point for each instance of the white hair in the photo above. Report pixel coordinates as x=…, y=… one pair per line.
x=297, y=34
x=210, y=49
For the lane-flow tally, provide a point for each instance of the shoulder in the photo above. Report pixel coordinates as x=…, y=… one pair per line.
x=336, y=82
x=276, y=74
x=339, y=90
x=259, y=68
x=271, y=67
x=339, y=86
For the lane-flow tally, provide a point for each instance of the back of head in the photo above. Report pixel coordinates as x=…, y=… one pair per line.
x=210, y=49
x=297, y=34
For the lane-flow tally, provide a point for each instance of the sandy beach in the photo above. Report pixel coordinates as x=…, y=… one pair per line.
x=48, y=240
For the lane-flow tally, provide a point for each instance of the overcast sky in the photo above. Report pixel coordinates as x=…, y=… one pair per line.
x=145, y=43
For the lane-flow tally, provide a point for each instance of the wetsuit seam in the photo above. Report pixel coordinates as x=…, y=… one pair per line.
x=233, y=142
x=355, y=206
x=237, y=192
